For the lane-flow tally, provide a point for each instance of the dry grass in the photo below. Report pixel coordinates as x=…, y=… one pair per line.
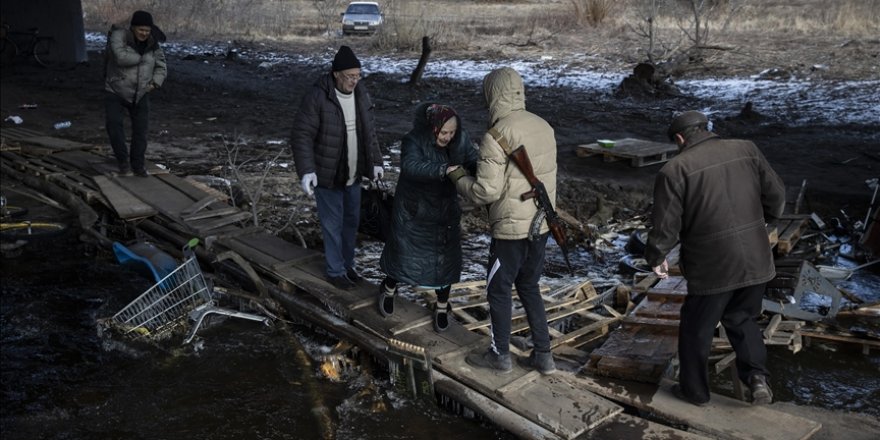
x=482, y=24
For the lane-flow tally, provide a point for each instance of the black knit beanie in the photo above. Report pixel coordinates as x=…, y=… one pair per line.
x=345, y=60
x=141, y=18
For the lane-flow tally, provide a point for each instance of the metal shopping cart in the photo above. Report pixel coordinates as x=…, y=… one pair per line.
x=163, y=308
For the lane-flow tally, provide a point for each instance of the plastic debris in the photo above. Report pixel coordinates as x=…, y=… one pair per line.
x=15, y=119
x=60, y=125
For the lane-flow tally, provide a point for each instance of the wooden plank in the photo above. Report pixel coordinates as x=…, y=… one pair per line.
x=791, y=228
x=635, y=353
x=673, y=286
x=553, y=402
x=585, y=330
x=721, y=418
x=209, y=213
x=772, y=326
x=198, y=206
x=773, y=234
x=54, y=143
x=661, y=308
x=271, y=245
x=155, y=192
x=624, y=426
x=19, y=133
x=126, y=205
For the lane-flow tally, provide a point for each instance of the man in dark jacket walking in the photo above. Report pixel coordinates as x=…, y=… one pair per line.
x=135, y=67
x=716, y=197
x=334, y=145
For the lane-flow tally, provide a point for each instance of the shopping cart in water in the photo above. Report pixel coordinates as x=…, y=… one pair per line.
x=163, y=308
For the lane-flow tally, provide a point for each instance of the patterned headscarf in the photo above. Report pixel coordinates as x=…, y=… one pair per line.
x=437, y=115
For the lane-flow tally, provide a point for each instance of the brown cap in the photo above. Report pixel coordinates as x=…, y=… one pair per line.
x=686, y=120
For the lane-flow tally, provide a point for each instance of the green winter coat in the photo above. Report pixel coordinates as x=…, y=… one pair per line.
x=425, y=244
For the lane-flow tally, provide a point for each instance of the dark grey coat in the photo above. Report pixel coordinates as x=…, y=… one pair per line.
x=716, y=197
x=319, y=138
x=425, y=244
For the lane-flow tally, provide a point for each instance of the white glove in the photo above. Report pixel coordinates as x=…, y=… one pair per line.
x=378, y=173
x=309, y=181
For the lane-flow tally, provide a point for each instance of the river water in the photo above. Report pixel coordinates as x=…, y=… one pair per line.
x=63, y=380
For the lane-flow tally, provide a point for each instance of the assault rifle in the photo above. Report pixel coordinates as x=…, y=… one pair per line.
x=545, y=208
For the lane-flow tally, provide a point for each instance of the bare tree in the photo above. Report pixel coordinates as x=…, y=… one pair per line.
x=649, y=10
x=328, y=12
x=252, y=190
x=704, y=12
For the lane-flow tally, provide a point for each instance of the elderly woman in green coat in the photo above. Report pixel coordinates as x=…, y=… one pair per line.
x=425, y=244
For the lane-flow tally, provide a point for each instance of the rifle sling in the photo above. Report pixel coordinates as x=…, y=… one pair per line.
x=501, y=141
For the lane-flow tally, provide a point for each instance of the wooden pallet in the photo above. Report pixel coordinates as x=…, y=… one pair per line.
x=639, y=152
x=789, y=229
x=642, y=348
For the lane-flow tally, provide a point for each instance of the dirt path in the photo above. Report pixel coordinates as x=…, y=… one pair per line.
x=209, y=101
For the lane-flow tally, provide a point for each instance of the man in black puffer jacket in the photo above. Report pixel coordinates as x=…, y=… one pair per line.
x=334, y=145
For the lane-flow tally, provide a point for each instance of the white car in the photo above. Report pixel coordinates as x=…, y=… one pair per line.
x=361, y=18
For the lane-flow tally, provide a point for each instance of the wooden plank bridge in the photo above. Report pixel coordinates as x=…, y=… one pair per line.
x=572, y=404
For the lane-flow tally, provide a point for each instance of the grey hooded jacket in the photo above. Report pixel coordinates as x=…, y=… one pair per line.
x=129, y=73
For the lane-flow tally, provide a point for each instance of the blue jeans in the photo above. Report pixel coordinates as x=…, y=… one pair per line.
x=339, y=212
x=115, y=107
x=520, y=263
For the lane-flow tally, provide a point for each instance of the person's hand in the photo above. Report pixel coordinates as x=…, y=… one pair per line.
x=662, y=270
x=452, y=168
x=309, y=182
x=378, y=172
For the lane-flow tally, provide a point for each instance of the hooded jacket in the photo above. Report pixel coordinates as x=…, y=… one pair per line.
x=498, y=181
x=319, y=139
x=716, y=197
x=425, y=244
x=129, y=73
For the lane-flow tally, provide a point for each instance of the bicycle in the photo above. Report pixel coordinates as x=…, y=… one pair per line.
x=22, y=45
x=29, y=230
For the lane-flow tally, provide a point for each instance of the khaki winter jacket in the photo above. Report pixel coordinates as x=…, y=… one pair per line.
x=129, y=74
x=499, y=182
x=716, y=197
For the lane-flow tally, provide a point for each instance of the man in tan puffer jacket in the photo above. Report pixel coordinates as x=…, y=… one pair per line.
x=514, y=256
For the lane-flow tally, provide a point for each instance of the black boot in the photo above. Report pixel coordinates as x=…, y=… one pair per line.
x=386, y=298
x=441, y=318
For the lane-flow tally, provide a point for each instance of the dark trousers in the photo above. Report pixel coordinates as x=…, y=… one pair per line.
x=519, y=263
x=700, y=314
x=339, y=211
x=115, y=107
